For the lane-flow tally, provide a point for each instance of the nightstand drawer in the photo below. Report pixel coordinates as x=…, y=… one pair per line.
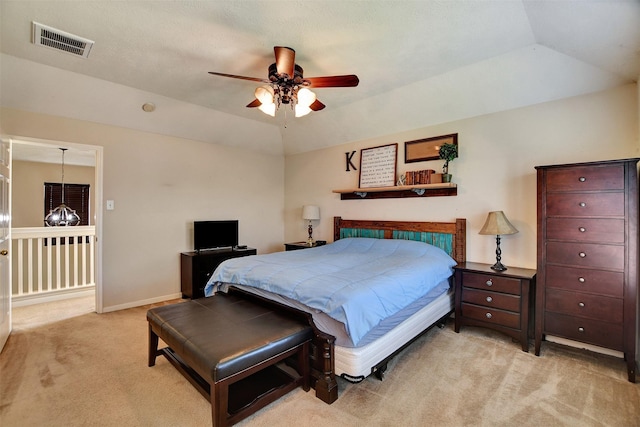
x=584, y=305
x=610, y=230
x=586, y=255
x=492, y=282
x=600, y=282
x=491, y=315
x=594, y=332
x=585, y=204
x=491, y=299
x=586, y=178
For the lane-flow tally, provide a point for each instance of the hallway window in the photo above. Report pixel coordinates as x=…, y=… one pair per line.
x=76, y=196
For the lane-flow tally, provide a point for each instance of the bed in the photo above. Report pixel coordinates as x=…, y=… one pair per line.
x=351, y=342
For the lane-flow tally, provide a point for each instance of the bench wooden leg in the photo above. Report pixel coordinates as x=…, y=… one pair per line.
x=304, y=366
x=153, y=346
x=220, y=403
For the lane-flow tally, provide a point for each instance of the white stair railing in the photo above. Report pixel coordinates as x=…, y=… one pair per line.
x=50, y=260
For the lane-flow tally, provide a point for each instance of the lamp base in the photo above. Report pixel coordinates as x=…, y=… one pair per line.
x=498, y=266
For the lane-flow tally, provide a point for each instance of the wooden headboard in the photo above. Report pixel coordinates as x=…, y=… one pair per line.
x=449, y=236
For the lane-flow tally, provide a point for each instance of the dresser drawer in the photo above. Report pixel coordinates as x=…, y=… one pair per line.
x=585, y=204
x=584, y=305
x=493, y=283
x=586, y=255
x=610, y=230
x=590, y=331
x=586, y=178
x=600, y=282
x=491, y=315
x=491, y=299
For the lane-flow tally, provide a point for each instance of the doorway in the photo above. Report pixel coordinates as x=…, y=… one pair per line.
x=28, y=150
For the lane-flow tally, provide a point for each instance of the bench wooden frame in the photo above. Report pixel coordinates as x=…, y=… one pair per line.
x=257, y=385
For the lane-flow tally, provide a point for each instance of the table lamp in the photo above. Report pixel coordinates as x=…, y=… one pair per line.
x=497, y=223
x=310, y=213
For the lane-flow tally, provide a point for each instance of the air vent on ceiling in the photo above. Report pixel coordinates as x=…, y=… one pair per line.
x=60, y=40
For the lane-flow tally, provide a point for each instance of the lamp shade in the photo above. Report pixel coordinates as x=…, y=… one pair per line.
x=497, y=224
x=310, y=212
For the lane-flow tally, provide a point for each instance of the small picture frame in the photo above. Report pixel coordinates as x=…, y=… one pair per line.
x=427, y=149
x=378, y=166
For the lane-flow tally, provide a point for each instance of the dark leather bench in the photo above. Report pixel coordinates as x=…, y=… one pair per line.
x=231, y=349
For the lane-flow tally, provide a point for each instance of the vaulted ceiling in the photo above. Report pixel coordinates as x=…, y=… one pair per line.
x=419, y=62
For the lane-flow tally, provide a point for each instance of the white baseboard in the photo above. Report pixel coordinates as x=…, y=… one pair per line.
x=26, y=300
x=140, y=303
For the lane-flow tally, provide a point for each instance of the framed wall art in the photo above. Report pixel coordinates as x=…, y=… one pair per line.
x=427, y=149
x=378, y=166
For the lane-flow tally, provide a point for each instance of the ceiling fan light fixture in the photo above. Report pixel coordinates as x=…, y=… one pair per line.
x=269, y=109
x=306, y=97
x=265, y=95
x=302, y=110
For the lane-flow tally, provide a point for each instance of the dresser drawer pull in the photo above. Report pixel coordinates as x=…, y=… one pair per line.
x=582, y=204
x=489, y=299
x=582, y=254
x=581, y=279
x=489, y=316
x=580, y=329
x=582, y=179
x=489, y=282
x=582, y=229
x=580, y=304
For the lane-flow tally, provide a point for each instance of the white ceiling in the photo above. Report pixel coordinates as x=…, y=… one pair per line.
x=419, y=62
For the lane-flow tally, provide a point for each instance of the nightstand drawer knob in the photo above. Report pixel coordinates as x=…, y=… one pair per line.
x=582, y=179
x=580, y=304
x=582, y=204
x=489, y=282
x=580, y=329
x=581, y=279
x=582, y=229
x=582, y=255
x=489, y=299
x=489, y=316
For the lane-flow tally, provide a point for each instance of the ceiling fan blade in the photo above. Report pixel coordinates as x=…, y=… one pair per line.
x=285, y=60
x=317, y=105
x=350, y=80
x=254, y=103
x=233, y=76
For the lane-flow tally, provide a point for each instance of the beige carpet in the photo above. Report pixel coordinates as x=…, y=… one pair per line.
x=86, y=369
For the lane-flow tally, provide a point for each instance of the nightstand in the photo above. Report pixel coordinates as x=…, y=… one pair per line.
x=302, y=245
x=498, y=300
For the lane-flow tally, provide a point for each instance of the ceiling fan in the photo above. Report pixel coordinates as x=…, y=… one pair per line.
x=287, y=85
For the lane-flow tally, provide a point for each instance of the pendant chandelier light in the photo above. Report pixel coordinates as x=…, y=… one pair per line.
x=62, y=216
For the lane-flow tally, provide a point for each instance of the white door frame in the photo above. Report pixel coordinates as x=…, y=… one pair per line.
x=99, y=155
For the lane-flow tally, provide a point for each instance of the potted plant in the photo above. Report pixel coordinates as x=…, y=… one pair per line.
x=447, y=152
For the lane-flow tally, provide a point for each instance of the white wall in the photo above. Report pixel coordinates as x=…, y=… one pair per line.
x=160, y=185
x=494, y=171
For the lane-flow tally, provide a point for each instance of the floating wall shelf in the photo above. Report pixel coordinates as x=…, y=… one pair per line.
x=399, y=191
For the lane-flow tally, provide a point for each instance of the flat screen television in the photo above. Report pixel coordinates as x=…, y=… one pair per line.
x=215, y=234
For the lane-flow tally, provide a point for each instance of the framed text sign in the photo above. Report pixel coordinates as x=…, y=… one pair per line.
x=378, y=166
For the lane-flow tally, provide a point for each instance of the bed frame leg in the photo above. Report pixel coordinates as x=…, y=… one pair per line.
x=326, y=384
x=382, y=369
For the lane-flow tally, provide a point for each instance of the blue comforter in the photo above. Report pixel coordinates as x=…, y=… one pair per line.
x=357, y=281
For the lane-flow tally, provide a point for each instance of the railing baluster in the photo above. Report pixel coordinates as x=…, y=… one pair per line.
x=39, y=263
x=20, y=269
x=30, y=267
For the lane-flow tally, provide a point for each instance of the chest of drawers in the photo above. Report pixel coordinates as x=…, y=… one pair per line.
x=587, y=250
x=495, y=300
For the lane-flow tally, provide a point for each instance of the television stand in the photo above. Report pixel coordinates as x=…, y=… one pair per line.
x=196, y=267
